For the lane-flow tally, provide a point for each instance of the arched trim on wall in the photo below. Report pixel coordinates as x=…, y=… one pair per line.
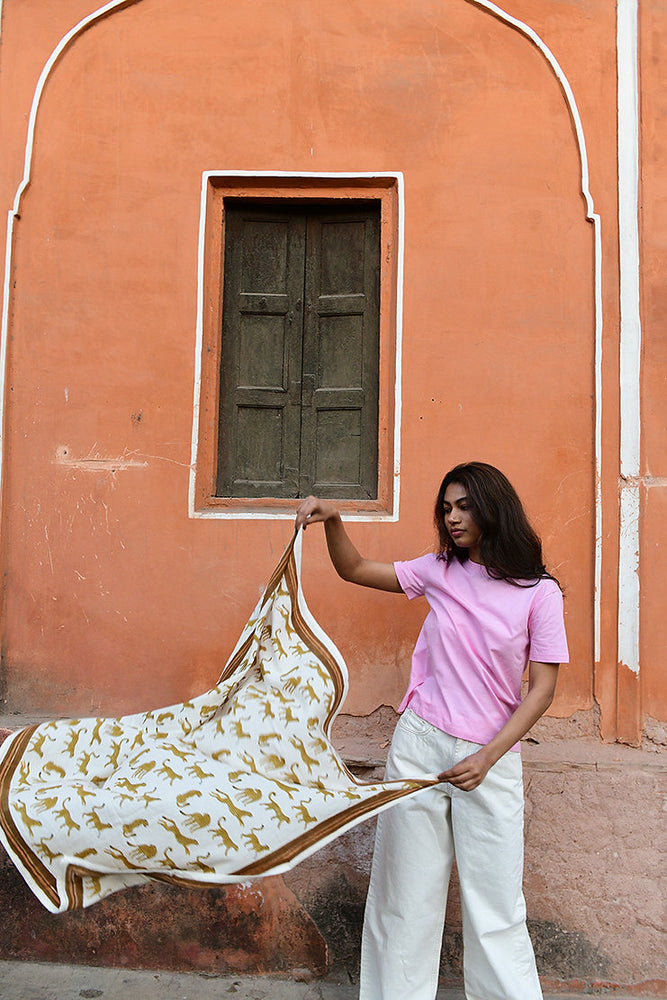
x=592, y=217
x=485, y=5
x=15, y=211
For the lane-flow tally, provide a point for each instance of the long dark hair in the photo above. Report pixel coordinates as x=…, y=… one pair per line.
x=510, y=549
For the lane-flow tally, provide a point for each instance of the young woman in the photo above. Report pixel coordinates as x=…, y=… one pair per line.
x=494, y=611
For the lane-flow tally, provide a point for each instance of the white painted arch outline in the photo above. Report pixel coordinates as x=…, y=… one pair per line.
x=116, y=5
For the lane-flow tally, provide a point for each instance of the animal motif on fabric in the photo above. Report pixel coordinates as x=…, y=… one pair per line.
x=239, y=782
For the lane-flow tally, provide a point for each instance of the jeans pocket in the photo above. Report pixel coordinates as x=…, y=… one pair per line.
x=413, y=723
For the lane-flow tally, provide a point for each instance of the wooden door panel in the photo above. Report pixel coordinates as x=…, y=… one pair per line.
x=338, y=438
x=263, y=352
x=340, y=351
x=299, y=357
x=260, y=451
x=341, y=337
x=341, y=253
x=260, y=377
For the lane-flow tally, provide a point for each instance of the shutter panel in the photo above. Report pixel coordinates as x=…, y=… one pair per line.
x=260, y=378
x=339, y=411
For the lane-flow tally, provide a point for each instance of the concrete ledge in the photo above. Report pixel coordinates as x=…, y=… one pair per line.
x=25, y=981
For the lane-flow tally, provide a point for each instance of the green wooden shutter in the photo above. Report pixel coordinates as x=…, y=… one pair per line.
x=300, y=346
x=260, y=379
x=339, y=403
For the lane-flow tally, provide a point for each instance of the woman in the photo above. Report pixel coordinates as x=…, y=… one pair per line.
x=494, y=611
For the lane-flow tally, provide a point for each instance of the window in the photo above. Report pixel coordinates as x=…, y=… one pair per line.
x=296, y=383
x=299, y=355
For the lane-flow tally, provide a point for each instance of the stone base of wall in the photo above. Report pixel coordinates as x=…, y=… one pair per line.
x=595, y=887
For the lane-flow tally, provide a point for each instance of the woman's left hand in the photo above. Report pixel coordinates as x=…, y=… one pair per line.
x=469, y=772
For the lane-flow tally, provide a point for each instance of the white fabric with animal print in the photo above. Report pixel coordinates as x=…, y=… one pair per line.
x=240, y=782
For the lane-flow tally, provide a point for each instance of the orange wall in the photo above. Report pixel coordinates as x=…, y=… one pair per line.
x=653, y=290
x=114, y=598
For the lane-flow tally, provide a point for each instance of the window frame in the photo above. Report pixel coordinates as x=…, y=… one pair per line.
x=387, y=189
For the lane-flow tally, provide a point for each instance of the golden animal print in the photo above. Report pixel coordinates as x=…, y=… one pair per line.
x=199, y=862
x=253, y=840
x=249, y=795
x=273, y=760
x=185, y=797
x=197, y=772
x=83, y=793
x=274, y=807
x=84, y=761
x=221, y=834
x=45, y=850
x=64, y=814
x=112, y=759
x=178, y=752
x=72, y=742
x=129, y=828
x=238, y=782
x=94, y=820
x=29, y=821
x=302, y=813
x=267, y=738
x=197, y=821
x=169, y=773
x=131, y=786
x=309, y=761
x=233, y=809
x=173, y=829
x=118, y=855
x=51, y=768
x=145, y=851
x=43, y=805
x=144, y=768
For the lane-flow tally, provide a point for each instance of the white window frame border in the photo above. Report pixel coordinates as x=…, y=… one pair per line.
x=245, y=515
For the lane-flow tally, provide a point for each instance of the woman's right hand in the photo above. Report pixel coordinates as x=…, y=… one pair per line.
x=313, y=509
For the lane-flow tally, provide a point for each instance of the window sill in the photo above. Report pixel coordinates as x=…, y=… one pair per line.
x=271, y=508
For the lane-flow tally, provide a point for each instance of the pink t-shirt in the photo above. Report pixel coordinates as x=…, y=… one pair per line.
x=475, y=644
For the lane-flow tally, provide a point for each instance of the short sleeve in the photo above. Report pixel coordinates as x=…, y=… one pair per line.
x=546, y=626
x=412, y=575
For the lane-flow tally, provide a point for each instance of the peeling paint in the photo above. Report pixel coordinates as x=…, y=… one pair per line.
x=96, y=463
x=648, y=481
x=628, y=579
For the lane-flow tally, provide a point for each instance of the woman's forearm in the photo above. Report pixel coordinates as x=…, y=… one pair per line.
x=343, y=554
x=471, y=771
x=532, y=708
x=347, y=561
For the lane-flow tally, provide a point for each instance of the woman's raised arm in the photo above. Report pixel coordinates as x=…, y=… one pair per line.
x=348, y=562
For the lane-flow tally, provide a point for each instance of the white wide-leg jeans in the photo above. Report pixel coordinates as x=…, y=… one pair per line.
x=415, y=845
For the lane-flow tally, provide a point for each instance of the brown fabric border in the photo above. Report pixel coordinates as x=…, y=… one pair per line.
x=33, y=864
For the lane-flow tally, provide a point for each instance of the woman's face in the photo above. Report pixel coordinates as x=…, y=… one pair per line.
x=460, y=523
